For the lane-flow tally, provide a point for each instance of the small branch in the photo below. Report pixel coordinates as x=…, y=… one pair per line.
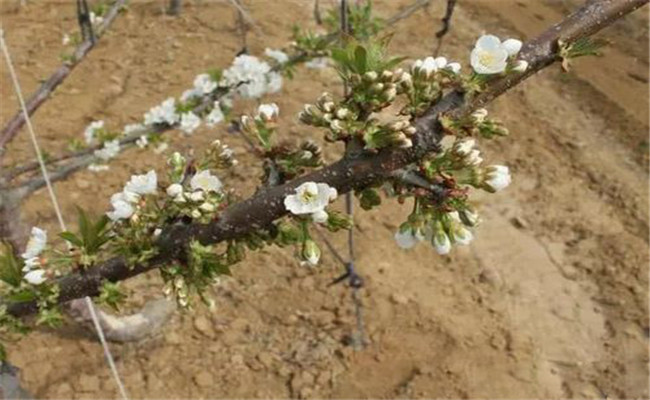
x=175, y=7
x=317, y=16
x=47, y=88
x=267, y=204
x=85, y=24
x=405, y=13
x=446, y=24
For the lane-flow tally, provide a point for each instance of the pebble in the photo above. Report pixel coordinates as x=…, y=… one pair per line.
x=203, y=379
x=204, y=326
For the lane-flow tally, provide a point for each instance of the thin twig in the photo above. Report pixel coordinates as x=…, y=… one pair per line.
x=85, y=24
x=446, y=24
x=246, y=15
x=47, y=88
x=317, y=16
x=406, y=12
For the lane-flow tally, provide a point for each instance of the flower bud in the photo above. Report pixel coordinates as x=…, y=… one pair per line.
x=174, y=189
x=207, y=207
x=463, y=147
x=311, y=252
x=370, y=76
x=469, y=217
x=440, y=241
x=341, y=113
x=386, y=75
x=195, y=214
x=520, y=66
x=497, y=177
x=197, y=196
x=480, y=115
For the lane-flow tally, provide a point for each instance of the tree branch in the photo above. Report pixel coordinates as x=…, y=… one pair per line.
x=47, y=88
x=347, y=174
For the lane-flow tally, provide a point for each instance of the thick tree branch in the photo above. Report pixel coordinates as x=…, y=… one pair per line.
x=347, y=174
x=47, y=88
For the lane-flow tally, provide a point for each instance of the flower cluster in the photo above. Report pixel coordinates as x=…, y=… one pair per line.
x=92, y=131
x=492, y=56
x=165, y=113
x=203, y=84
x=251, y=77
x=125, y=202
x=202, y=197
x=34, y=273
x=278, y=55
x=441, y=231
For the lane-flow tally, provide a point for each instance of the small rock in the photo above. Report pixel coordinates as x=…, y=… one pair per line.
x=519, y=222
x=203, y=379
x=204, y=326
x=266, y=359
x=399, y=298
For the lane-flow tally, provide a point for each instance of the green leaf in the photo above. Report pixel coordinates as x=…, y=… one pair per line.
x=71, y=238
x=10, y=266
x=360, y=59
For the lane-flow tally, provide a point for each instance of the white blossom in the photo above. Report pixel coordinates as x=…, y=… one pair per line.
x=320, y=216
x=204, y=180
x=204, y=84
x=268, y=111
x=96, y=19
x=142, y=141
x=215, y=116
x=110, y=150
x=462, y=235
x=274, y=82
x=195, y=214
x=98, y=167
x=31, y=263
x=142, y=184
x=174, y=189
x=427, y=66
x=91, y=130
x=164, y=113
x=35, y=277
x=512, y=46
x=317, y=63
x=489, y=55
x=36, y=243
x=189, y=122
x=161, y=148
x=454, y=67
x=122, y=207
x=66, y=39
x=497, y=177
x=310, y=197
x=474, y=158
x=479, y=115
x=252, y=71
x=464, y=147
x=278, y=55
x=133, y=128
x=441, y=62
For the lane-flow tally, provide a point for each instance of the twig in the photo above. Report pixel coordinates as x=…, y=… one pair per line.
x=246, y=15
x=405, y=13
x=85, y=24
x=266, y=206
x=47, y=88
x=175, y=7
x=446, y=24
x=317, y=16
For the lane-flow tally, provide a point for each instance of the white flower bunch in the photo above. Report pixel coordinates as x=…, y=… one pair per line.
x=278, y=55
x=190, y=122
x=133, y=128
x=257, y=75
x=430, y=65
x=203, y=84
x=164, y=113
x=311, y=199
x=34, y=274
x=110, y=150
x=124, y=202
x=91, y=130
x=442, y=233
x=202, y=184
x=142, y=142
x=95, y=19
x=466, y=151
x=215, y=116
x=490, y=55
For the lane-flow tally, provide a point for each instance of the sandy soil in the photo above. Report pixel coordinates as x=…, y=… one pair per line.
x=550, y=300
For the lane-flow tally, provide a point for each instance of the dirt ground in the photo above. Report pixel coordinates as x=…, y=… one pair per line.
x=550, y=300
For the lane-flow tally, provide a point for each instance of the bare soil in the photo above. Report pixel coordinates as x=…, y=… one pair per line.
x=550, y=300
